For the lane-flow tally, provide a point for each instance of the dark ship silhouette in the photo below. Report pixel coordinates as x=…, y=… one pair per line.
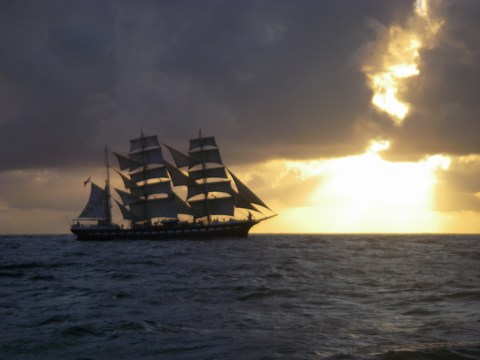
x=152, y=206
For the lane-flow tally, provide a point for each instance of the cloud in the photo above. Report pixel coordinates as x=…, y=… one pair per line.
x=272, y=79
x=445, y=116
x=459, y=187
x=48, y=190
x=54, y=62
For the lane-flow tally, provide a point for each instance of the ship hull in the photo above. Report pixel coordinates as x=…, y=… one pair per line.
x=190, y=231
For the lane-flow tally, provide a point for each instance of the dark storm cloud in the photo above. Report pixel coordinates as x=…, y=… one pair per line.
x=459, y=187
x=276, y=76
x=445, y=96
x=54, y=61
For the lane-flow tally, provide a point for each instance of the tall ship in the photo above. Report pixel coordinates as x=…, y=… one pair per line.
x=193, y=197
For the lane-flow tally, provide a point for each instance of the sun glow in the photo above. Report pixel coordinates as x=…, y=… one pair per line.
x=365, y=193
x=367, y=182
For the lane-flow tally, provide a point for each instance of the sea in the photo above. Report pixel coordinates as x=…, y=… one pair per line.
x=266, y=297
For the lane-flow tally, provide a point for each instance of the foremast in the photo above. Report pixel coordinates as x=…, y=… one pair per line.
x=149, y=194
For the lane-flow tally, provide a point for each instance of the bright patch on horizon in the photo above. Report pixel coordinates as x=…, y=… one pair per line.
x=368, y=193
x=397, y=58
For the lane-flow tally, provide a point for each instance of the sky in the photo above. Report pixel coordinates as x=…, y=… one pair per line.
x=344, y=116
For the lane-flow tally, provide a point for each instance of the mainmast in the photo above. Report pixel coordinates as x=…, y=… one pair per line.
x=144, y=175
x=107, y=189
x=208, y=176
x=209, y=189
x=205, y=182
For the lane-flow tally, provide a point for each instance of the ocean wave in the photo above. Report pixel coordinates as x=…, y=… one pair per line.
x=462, y=351
x=270, y=296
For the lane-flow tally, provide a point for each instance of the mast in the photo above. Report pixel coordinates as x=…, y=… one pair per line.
x=149, y=192
x=205, y=183
x=144, y=175
x=202, y=154
x=107, y=189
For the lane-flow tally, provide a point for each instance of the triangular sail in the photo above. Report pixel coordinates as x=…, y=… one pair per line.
x=125, y=163
x=127, y=182
x=182, y=206
x=246, y=193
x=177, y=176
x=127, y=198
x=241, y=202
x=127, y=214
x=180, y=159
x=97, y=205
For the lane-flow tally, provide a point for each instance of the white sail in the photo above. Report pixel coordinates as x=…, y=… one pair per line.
x=160, y=187
x=147, y=156
x=127, y=214
x=202, y=141
x=177, y=176
x=148, y=173
x=204, y=156
x=241, y=202
x=216, y=172
x=246, y=193
x=143, y=142
x=182, y=206
x=127, y=182
x=160, y=208
x=180, y=159
x=97, y=205
x=127, y=198
x=153, y=208
x=222, y=186
x=213, y=206
x=126, y=163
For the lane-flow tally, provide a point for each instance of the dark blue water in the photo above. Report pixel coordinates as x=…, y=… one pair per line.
x=267, y=297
